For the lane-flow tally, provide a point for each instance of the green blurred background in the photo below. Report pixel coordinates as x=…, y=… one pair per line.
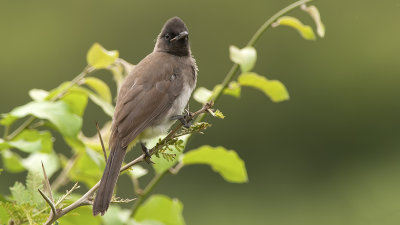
x=330, y=155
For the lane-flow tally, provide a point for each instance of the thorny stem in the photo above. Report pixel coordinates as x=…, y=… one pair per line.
x=86, y=198
x=76, y=80
x=228, y=78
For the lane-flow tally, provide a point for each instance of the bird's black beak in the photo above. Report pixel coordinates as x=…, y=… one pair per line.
x=180, y=36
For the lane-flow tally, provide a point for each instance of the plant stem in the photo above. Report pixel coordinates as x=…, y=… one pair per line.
x=228, y=78
x=76, y=80
x=268, y=23
x=146, y=192
x=21, y=128
x=6, y=129
x=234, y=69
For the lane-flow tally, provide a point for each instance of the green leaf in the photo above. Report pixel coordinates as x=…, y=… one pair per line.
x=4, y=145
x=100, y=87
x=28, y=194
x=26, y=146
x=4, y=216
x=81, y=215
x=7, y=119
x=137, y=171
x=38, y=94
x=233, y=89
x=94, y=143
x=245, y=57
x=272, y=88
x=19, y=193
x=19, y=212
x=33, y=163
x=76, y=144
x=107, y=107
x=30, y=140
x=144, y=222
x=116, y=216
x=161, y=208
x=33, y=183
x=202, y=95
x=87, y=170
x=76, y=101
x=314, y=13
x=305, y=31
x=100, y=58
x=225, y=162
x=12, y=161
x=118, y=75
x=219, y=114
x=58, y=113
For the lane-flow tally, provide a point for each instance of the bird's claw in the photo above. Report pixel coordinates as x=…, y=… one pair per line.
x=185, y=119
x=147, y=156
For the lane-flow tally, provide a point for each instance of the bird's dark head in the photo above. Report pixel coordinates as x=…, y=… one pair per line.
x=174, y=38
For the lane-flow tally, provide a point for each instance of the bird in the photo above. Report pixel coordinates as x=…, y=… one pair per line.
x=152, y=97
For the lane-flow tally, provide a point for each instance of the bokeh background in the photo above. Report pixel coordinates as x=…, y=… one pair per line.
x=330, y=155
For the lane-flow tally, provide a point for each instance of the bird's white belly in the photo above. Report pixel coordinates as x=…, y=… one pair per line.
x=165, y=123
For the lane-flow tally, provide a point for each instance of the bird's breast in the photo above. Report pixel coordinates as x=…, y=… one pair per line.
x=163, y=124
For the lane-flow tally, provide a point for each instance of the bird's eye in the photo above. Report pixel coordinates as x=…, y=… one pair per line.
x=167, y=36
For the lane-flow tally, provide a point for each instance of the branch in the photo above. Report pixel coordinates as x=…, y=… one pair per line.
x=46, y=184
x=53, y=212
x=86, y=199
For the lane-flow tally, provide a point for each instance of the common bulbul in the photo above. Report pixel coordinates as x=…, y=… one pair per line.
x=152, y=95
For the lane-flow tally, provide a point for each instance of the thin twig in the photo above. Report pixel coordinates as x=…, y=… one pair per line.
x=67, y=194
x=136, y=186
x=101, y=141
x=6, y=130
x=46, y=184
x=53, y=213
x=20, y=128
x=176, y=169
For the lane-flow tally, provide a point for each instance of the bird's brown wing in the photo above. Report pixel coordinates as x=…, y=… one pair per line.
x=144, y=99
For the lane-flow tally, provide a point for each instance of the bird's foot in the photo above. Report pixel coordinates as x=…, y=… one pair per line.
x=185, y=119
x=147, y=156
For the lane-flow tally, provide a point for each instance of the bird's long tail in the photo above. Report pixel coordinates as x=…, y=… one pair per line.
x=109, y=179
